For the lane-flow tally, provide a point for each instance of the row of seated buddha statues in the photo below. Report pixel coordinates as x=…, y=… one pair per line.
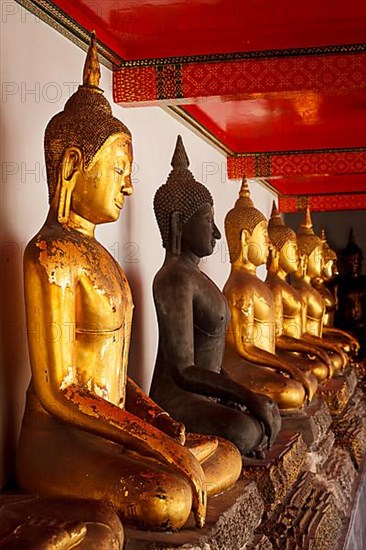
x=88, y=430
x=275, y=342
x=228, y=363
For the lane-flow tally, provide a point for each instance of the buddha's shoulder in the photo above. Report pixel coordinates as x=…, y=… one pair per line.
x=175, y=275
x=63, y=248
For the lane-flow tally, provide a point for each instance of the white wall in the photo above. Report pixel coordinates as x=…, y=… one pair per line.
x=39, y=68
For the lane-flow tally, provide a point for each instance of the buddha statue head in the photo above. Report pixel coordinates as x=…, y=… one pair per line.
x=284, y=242
x=351, y=258
x=246, y=231
x=310, y=246
x=88, y=153
x=184, y=210
x=329, y=259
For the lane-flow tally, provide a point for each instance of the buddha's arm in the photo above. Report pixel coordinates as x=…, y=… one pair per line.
x=327, y=345
x=53, y=357
x=141, y=405
x=332, y=331
x=242, y=324
x=289, y=343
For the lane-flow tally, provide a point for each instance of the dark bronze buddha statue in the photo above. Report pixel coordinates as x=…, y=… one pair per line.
x=350, y=286
x=193, y=316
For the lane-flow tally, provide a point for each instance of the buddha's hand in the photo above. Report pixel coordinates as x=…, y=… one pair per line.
x=355, y=345
x=266, y=410
x=306, y=379
x=323, y=356
x=165, y=423
x=189, y=466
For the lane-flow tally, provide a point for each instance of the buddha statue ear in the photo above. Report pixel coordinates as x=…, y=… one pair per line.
x=70, y=165
x=244, y=240
x=176, y=228
x=303, y=265
x=273, y=258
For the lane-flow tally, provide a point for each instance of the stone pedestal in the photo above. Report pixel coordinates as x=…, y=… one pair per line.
x=278, y=471
x=350, y=428
x=232, y=518
x=355, y=538
x=336, y=393
x=308, y=519
x=312, y=422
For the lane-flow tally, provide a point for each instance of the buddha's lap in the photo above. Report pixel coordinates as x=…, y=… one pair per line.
x=285, y=391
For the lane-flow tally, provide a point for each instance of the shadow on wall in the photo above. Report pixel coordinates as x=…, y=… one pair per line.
x=14, y=362
x=337, y=226
x=14, y=365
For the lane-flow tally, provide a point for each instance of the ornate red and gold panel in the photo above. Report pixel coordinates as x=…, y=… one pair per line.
x=292, y=164
x=345, y=201
x=316, y=69
x=280, y=86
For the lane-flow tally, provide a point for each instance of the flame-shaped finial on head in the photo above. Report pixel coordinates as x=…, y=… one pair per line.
x=180, y=160
x=351, y=238
x=306, y=239
x=275, y=213
x=244, y=189
x=91, y=73
x=352, y=247
x=323, y=235
x=306, y=226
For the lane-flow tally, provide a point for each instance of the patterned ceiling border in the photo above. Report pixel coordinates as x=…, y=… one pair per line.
x=321, y=203
x=183, y=82
x=239, y=56
x=54, y=16
x=297, y=163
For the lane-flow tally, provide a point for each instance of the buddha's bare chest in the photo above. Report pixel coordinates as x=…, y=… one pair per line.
x=210, y=310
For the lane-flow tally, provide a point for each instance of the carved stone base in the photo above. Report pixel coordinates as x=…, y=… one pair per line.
x=278, y=471
x=319, y=454
x=350, y=428
x=260, y=542
x=359, y=366
x=309, y=519
x=351, y=378
x=313, y=422
x=232, y=518
x=336, y=393
x=338, y=477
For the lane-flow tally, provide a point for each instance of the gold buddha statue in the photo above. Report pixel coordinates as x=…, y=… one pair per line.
x=348, y=342
x=310, y=249
x=88, y=430
x=251, y=357
x=284, y=260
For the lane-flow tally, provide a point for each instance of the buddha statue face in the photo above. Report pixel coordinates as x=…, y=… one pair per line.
x=98, y=191
x=351, y=265
x=315, y=262
x=329, y=268
x=199, y=233
x=255, y=246
x=289, y=257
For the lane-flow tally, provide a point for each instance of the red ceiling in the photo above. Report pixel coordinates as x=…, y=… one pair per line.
x=141, y=29
x=287, y=121
x=313, y=105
